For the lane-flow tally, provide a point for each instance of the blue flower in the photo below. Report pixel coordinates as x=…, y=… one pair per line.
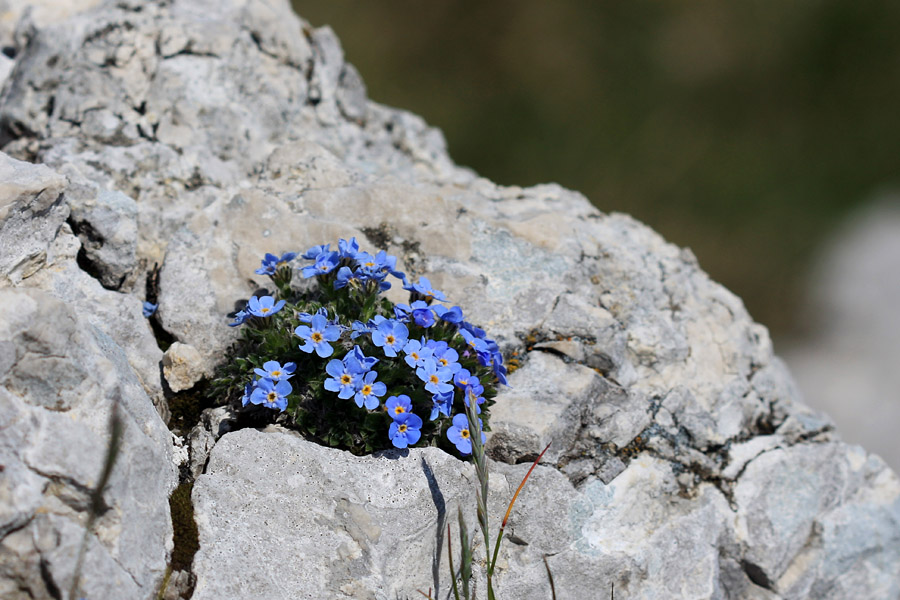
x=149, y=308
x=475, y=343
x=460, y=436
x=239, y=318
x=424, y=289
x=451, y=315
x=305, y=317
x=271, y=394
x=345, y=376
x=271, y=263
x=325, y=263
x=398, y=405
x=475, y=331
x=248, y=391
x=468, y=382
x=371, y=264
x=499, y=369
x=359, y=328
x=314, y=252
x=318, y=335
x=390, y=335
x=369, y=391
x=445, y=356
x=486, y=356
x=348, y=249
x=464, y=378
x=404, y=431
x=366, y=362
x=401, y=312
x=421, y=314
x=416, y=353
x=344, y=275
x=274, y=371
x=435, y=379
x=476, y=389
x=442, y=404
x=264, y=307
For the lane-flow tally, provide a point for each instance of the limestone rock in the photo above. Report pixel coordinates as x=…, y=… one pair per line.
x=38, y=249
x=31, y=213
x=182, y=366
x=381, y=535
x=59, y=380
x=218, y=131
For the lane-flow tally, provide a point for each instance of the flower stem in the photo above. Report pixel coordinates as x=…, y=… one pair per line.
x=493, y=561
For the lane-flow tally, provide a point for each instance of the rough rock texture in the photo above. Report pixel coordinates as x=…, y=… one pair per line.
x=59, y=379
x=181, y=365
x=683, y=462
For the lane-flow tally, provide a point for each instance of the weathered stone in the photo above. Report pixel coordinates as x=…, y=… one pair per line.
x=801, y=516
x=59, y=381
x=31, y=212
x=391, y=511
x=621, y=534
x=117, y=315
x=238, y=129
x=182, y=367
x=43, y=252
x=107, y=228
x=548, y=401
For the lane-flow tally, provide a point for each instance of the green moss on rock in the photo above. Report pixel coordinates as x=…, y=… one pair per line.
x=184, y=529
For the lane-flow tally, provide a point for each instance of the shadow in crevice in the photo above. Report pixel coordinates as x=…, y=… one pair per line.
x=438, y=498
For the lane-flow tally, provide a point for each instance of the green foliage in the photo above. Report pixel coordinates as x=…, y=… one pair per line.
x=320, y=414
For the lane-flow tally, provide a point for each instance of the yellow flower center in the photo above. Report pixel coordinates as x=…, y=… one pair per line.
x=399, y=410
x=464, y=433
x=415, y=356
x=390, y=340
x=443, y=362
x=346, y=379
x=402, y=428
x=464, y=382
x=316, y=337
x=323, y=268
x=271, y=397
x=276, y=373
x=434, y=379
x=366, y=390
x=264, y=310
x=370, y=264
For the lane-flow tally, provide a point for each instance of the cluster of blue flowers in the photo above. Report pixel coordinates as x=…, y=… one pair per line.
x=425, y=360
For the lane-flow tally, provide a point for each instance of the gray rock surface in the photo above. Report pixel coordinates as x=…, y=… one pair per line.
x=31, y=215
x=38, y=249
x=683, y=464
x=59, y=380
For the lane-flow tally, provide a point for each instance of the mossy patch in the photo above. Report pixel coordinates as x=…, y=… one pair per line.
x=184, y=530
x=186, y=407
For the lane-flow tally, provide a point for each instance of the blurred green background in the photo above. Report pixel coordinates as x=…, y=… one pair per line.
x=744, y=130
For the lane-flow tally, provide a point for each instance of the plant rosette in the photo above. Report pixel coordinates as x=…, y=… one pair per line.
x=350, y=369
